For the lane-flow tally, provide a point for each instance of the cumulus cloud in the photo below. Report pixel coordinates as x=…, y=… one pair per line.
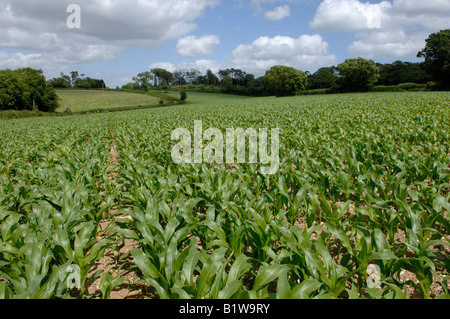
x=192, y=46
x=106, y=26
x=201, y=65
x=420, y=7
x=430, y=14
x=392, y=44
x=381, y=28
x=348, y=15
x=19, y=59
x=306, y=52
x=279, y=13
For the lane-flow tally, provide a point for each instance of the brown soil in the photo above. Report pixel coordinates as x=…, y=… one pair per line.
x=132, y=287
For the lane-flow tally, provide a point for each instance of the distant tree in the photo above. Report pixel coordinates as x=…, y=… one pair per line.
x=227, y=84
x=236, y=75
x=183, y=96
x=202, y=80
x=323, y=78
x=74, y=77
x=178, y=78
x=60, y=83
x=357, y=75
x=130, y=86
x=162, y=77
x=143, y=80
x=437, y=56
x=255, y=87
x=402, y=72
x=192, y=76
x=212, y=79
x=83, y=84
x=284, y=80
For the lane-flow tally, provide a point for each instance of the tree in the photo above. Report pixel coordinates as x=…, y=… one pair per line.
x=183, y=96
x=402, y=72
x=162, y=76
x=60, y=82
x=74, y=76
x=142, y=80
x=284, y=80
x=178, y=78
x=11, y=89
x=437, y=56
x=35, y=86
x=357, y=75
x=23, y=88
x=227, y=84
x=324, y=78
x=50, y=100
x=192, y=76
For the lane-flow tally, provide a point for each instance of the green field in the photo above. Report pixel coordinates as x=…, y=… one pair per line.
x=208, y=98
x=89, y=100
x=358, y=208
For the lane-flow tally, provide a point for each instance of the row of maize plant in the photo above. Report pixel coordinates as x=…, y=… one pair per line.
x=53, y=194
x=358, y=208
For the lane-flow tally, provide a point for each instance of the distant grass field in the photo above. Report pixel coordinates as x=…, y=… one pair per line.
x=89, y=100
x=208, y=98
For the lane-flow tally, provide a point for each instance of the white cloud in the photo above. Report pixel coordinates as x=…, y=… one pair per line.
x=420, y=7
x=192, y=46
x=305, y=53
x=279, y=13
x=106, y=26
x=348, y=15
x=431, y=14
x=18, y=59
x=202, y=65
x=388, y=45
x=386, y=29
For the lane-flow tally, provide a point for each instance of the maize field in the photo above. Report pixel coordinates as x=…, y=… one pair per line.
x=358, y=209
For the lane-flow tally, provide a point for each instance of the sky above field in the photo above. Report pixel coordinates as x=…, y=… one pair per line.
x=118, y=39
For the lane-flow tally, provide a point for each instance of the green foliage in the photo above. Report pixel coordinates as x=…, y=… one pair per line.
x=324, y=78
x=402, y=72
x=22, y=88
x=11, y=91
x=437, y=56
x=183, y=96
x=50, y=205
x=161, y=76
x=142, y=80
x=284, y=80
x=407, y=86
x=357, y=75
x=60, y=82
x=363, y=184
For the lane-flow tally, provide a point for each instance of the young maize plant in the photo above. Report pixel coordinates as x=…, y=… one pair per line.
x=357, y=209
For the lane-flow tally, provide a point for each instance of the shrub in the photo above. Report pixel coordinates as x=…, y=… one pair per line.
x=183, y=96
x=407, y=86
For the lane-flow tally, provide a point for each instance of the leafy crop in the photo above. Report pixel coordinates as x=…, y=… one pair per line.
x=363, y=184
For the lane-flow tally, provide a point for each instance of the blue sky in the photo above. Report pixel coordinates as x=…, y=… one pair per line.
x=118, y=39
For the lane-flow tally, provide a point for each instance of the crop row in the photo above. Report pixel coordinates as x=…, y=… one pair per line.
x=358, y=209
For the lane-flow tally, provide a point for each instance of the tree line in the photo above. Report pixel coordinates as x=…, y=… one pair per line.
x=26, y=88
x=76, y=80
x=353, y=75
x=231, y=80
